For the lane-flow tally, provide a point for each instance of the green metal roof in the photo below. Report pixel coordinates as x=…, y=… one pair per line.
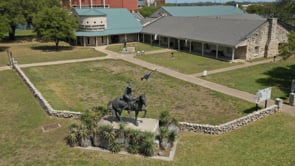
x=119, y=21
x=202, y=10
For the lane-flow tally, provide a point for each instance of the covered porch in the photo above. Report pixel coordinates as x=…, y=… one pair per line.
x=203, y=48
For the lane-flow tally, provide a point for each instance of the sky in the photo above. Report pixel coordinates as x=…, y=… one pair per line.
x=220, y=1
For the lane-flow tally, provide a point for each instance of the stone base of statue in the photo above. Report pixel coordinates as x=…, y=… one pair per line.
x=144, y=124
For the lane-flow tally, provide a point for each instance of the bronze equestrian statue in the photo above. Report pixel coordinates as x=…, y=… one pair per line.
x=129, y=103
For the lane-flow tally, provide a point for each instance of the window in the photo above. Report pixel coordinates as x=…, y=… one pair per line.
x=256, y=51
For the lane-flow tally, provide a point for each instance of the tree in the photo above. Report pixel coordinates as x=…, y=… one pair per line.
x=22, y=11
x=288, y=49
x=55, y=24
x=148, y=10
x=4, y=26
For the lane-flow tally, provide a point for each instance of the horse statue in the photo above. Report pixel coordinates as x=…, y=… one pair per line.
x=117, y=105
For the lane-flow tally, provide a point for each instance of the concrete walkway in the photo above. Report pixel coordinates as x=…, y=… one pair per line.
x=245, y=64
x=5, y=68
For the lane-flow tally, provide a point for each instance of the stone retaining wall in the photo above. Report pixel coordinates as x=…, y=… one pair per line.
x=44, y=103
x=229, y=126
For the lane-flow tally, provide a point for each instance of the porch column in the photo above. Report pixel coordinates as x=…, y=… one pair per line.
x=108, y=40
x=168, y=42
x=233, y=54
x=151, y=39
x=216, y=51
x=125, y=38
x=190, y=46
x=84, y=41
x=143, y=37
x=202, y=49
x=159, y=40
x=178, y=41
x=138, y=37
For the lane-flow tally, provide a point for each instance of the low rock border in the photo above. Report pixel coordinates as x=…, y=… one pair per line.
x=229, y=126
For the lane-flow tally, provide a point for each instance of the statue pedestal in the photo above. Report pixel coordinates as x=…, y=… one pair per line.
x=144, y=124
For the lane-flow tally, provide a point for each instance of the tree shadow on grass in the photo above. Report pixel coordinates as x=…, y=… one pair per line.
x=251, y=110
x=3, y=48
x=280, y=77
x=52, y=48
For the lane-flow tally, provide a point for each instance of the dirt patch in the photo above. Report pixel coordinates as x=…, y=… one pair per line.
x=49, y=127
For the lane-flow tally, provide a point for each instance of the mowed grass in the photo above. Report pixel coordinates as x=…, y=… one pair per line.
x=33, y=52
x=138, y=47
x=185, y=62
x=79, y=87
x=276, y=75
x=266, y=142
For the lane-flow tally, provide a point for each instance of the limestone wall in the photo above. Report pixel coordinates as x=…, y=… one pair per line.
x=229, y=126
x=44, y=103
x=265, y=40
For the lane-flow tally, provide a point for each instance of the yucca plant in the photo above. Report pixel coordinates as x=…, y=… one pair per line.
x=107, y=135
x=164, y=118
x=84, y=136
x=172, y=136
x=133, y=149
x=72, y=138
x=147, y=143
x=115, y=147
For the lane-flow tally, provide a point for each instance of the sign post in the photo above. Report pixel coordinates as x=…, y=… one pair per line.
x=293, y=86
x=262, y=95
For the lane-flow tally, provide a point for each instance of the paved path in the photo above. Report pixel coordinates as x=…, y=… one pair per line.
x=246, y=64
x=5, y=68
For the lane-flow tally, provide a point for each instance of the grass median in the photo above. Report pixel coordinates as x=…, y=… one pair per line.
x=277, y=75
x=81, y=86
x=185, y=62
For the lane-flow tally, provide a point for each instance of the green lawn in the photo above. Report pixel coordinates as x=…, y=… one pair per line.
x=82, y=86
x=32, y=52
x=138, y=46
x=266, y=142
x=185, y=62
x=276, y=75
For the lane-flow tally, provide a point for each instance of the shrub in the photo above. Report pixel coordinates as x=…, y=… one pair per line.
x=115, y=147
x=133, y=149
x=147, y=147
x=163, y=132
x=164, y=118
x=172, y=136
x=107, y=134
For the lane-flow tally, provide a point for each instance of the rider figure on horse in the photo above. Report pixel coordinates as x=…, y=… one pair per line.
x=128, y=97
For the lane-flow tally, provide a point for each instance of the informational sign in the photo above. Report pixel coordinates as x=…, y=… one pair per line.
x=293, y=86
x=263, y=95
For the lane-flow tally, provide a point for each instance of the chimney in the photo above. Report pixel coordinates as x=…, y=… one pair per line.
x=91, y=3
x=80, y=4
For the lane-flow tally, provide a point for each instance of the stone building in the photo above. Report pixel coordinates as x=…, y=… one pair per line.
x=230, y=38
